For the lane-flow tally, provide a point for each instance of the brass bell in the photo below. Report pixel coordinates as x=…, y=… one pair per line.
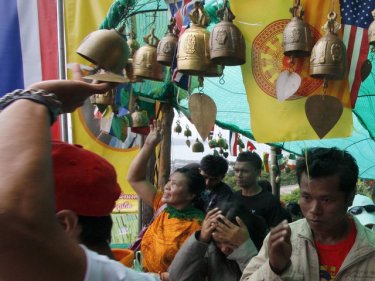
x=328, y=57
x=129, y=72
x=144, y=60
x=139, y=118
x=168, y=44
x=105, y=99
x=227, y=45
x=371, y=31
x=297, y=37
x=193, y=56
x=105, y=48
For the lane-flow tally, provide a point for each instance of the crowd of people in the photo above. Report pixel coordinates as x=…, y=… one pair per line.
x=57, y=199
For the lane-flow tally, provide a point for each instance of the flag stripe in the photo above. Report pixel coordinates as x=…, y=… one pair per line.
x=30, y=42
x=10, y=49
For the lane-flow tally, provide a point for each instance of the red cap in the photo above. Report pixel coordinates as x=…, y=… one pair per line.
x=85, y=182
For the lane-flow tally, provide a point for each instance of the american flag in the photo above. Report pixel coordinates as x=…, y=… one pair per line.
x=356, y=18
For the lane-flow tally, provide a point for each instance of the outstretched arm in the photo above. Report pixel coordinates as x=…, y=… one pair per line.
x=27, y=221
x=137, y=170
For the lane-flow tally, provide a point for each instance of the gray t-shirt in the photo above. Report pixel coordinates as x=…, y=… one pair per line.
x=101, y=268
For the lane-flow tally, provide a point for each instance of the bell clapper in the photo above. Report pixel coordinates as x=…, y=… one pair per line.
x=200, y=84
x=221, y=78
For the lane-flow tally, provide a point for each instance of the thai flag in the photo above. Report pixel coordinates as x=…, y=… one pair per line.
x=356, y=18
x=28, y=43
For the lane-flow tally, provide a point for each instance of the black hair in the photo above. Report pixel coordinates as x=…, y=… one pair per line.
x=196, y=184
x=294, y=208
x=256, y=225
x=252, y=157
x=214, y=165
x=96, y=231
x=324, y=162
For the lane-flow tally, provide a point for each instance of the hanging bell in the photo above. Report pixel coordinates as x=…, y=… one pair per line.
x=371, y=31
x=168, y=44
x=193, y=55
x=105, y=99
x=227, y=45
x=297, y=37
x=133, y=44
x=105, y=48
x=328, y=56
x=144, y=60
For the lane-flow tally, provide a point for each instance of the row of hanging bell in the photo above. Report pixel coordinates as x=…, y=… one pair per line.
x=193, y=52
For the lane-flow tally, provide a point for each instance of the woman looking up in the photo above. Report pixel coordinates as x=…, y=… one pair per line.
x=172, y=226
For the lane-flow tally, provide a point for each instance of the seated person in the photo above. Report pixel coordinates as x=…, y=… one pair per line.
x=172, y=226
x=363, y=208
x=229, y=238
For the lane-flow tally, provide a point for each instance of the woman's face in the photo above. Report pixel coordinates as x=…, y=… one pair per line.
x=176, y=191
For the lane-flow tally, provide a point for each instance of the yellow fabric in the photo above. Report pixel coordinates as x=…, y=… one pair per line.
x=262, y=24
x=81, y=18
x=125, y=256
x=163, y=239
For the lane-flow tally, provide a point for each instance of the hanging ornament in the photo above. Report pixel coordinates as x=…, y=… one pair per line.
x=168, y=44
x=187, y=134
x=202, y=112
x=227, y=45
x=287, y=84
x=212, y=143
x=144, y=60
x=198, y=146
x=328, y=58
x=178, y=128
x=139, y=118
x=366, y=66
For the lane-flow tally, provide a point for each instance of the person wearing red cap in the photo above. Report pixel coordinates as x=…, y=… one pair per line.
x=33, y=245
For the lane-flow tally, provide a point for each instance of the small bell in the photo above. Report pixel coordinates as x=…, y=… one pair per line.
x=193, y=53
x=227, y=45
x=198, y=146
x=371, y=31
x=132, y=43
x=144, y=60
x=297, y=37
x=328, y=58
x=168, y=44
x=139, y=118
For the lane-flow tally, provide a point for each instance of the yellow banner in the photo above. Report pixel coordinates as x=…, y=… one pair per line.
x=81, y=18
x=262, y=24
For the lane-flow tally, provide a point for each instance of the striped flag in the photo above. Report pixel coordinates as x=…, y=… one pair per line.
x=28, y=45
x=356, y=18
x=233, y=142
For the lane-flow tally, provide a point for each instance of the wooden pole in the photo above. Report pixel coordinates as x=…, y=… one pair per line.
x=165, y=145
x=275, y=172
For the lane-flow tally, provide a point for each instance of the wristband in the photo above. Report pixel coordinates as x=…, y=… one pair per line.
x=39, y=96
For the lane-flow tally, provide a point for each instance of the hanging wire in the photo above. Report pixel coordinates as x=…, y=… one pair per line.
x=221, y=79
x=200, y=85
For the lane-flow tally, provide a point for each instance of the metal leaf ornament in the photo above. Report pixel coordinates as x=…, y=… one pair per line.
x=287, y=85
x=202, y=113
x=323, y=112
x=366, y=68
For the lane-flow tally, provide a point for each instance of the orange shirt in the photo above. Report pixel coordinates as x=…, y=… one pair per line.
x=164, y=238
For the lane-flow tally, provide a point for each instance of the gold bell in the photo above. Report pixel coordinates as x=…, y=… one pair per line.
x=132, y=43
x=105, y=48
x=144, y=60
x=227, y=45
x=297, y=37
x=193, y=56
x=106, y=99
x=168, y=44
x=328, y=57
x=371, y=31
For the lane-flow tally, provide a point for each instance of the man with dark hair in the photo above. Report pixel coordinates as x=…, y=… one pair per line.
x=261, y=202
x=213, y=168
x=329, y=243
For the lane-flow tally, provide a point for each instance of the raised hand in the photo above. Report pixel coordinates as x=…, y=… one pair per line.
x=228, y=232
x=280, y=247
x=72, y=93
x=209, y=224
x=156, y=133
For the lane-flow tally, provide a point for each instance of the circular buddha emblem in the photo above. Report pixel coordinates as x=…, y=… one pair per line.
x=268, y=61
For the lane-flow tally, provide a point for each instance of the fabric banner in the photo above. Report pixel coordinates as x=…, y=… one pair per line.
x=28, y=45
x=81, y=18
x=271, y=120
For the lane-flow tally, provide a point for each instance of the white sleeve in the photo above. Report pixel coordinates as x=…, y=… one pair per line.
x=101, y=268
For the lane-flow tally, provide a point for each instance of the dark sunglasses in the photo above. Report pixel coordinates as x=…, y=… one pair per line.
x=358, y=210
